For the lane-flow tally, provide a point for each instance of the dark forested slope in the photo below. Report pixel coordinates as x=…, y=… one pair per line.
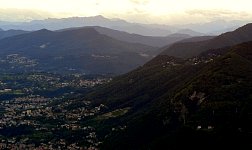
x=202, y=101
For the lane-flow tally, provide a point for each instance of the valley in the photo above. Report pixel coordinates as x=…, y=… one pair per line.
x=93, y=83
x=42, y=111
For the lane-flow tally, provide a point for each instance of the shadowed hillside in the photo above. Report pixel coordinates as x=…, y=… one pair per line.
x=190, y=49
x=170, y=98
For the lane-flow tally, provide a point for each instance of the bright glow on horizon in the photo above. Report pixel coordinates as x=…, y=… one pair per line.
x=147, y=11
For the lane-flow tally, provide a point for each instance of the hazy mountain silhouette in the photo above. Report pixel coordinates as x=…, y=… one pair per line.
x=190, y=32
x=56, y=24
x=146, y=40
x=215, y=27
x=9, y=33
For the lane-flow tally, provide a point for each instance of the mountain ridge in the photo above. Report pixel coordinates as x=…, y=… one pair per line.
x=9, y=33
x=155, y=41
x=190, y=49
x=77, y=49
x=122, y=25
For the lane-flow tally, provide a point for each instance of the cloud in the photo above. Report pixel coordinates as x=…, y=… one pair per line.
x=218, y=14
x=23, y=15
x=140, y=2
x=144, y=11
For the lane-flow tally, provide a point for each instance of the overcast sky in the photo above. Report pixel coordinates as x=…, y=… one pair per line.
x=144, y=11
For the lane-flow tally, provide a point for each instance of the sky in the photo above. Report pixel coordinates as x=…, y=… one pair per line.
x=141, y=11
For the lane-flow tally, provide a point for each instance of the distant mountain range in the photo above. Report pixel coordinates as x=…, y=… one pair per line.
x=155, y=41
x=175, y=103
x=117, y=24
x=215, y=27
x=81, y=50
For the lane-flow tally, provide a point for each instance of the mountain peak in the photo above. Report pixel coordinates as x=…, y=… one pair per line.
x=44, y=31
x=41, y=32
x=98, y=17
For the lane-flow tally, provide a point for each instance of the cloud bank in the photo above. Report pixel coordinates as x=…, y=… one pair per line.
x=143, y=11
